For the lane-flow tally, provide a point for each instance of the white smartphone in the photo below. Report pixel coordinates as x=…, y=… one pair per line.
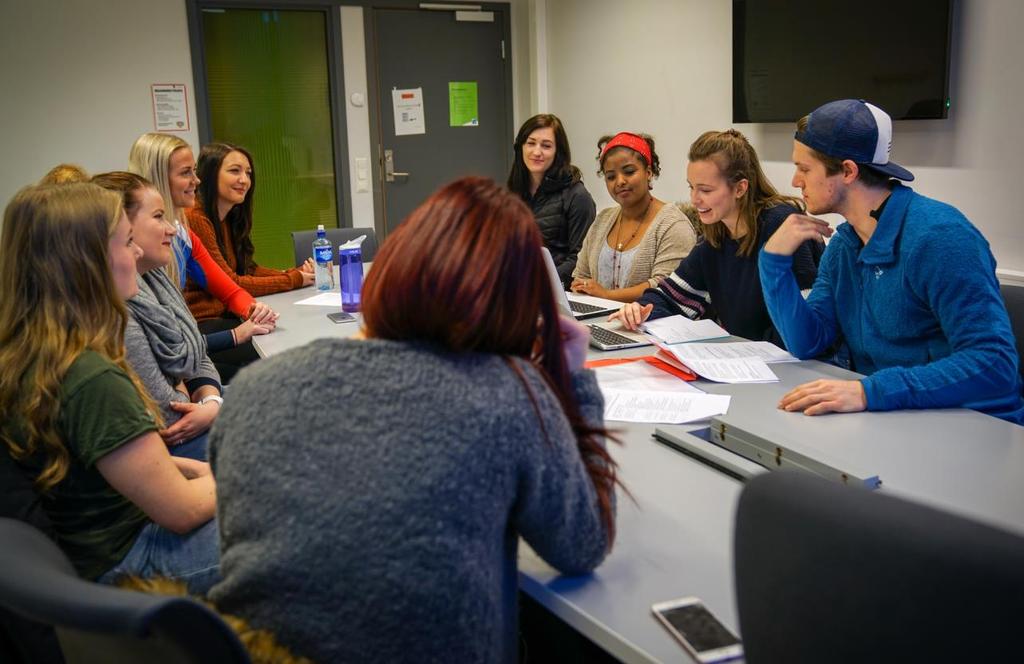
x=698, y=630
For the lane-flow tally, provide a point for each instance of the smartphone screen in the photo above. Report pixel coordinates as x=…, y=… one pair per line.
x=341, y=317
x=699, y=628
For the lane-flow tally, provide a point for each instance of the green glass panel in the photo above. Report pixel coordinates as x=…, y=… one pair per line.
x=268, y=91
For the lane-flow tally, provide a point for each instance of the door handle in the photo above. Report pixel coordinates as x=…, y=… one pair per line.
x=389, y=167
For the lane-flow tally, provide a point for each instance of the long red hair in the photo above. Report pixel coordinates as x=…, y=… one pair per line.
x=465, y=272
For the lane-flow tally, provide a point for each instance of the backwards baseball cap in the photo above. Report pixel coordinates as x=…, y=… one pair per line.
x=856, y=130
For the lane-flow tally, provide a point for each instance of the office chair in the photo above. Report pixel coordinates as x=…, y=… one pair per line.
x=1013, y=297
x=302, y=242
x=829, y=573
x=98, y=623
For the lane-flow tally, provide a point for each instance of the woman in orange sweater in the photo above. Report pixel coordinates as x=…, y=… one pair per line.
x=222, y=218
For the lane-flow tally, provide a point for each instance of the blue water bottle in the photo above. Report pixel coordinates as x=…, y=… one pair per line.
x=322, y=254
x=350, y=270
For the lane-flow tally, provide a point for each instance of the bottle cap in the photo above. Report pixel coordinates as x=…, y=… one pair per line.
x=353, y=243
x=319, y=227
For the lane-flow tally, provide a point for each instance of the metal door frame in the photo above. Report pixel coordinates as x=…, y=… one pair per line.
x=335, y=74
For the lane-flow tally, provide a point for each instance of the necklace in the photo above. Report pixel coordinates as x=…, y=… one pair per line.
x=616, y=256
x=618, y=231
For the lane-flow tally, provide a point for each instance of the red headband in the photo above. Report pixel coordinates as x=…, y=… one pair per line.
x=628, y=140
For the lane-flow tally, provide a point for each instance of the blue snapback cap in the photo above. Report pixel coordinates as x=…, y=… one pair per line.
x=856, y=130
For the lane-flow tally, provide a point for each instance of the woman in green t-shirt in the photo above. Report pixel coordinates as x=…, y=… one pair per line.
x=76, y=416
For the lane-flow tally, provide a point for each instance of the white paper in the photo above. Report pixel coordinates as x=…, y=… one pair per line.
x=662, y=407
x=408, y=105
x=328, y=299
x=640, y=375
x=679, y=329
x=170, y=106
x=764, y=350
x=728, y=370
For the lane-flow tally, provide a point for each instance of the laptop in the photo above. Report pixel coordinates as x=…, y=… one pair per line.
x=572, y=304
x=604, y=335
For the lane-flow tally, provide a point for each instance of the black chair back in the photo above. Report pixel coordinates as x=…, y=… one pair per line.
x=829, y=573
x=98, y=623
x=302, y=242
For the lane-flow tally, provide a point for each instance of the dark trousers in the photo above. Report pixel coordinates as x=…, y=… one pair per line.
x=229, y=361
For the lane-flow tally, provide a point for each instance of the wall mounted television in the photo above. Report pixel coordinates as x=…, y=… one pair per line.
x=791, y=56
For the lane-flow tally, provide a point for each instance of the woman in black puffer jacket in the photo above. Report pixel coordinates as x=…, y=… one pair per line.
x=543, y=174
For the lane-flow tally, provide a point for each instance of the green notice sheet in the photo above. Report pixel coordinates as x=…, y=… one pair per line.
x=462, y=104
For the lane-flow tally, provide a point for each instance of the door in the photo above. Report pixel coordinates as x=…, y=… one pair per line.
x=458, y=65
x=267, y=80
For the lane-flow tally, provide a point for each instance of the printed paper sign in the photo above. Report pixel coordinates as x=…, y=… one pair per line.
x=408, y=105
x=170, y=106
x=463, y=109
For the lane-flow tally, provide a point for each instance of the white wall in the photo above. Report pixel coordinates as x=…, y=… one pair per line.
x=75, y=82
x=665, y=67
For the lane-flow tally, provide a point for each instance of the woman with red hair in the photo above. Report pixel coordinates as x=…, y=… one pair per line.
x=388, y=486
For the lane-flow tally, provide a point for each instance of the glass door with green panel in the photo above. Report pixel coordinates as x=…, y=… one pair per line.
x=268, y=87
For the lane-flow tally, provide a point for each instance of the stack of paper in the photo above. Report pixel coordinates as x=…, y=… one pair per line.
x=715, y=365
x=680, y=329
x=663, y=407
x=636, y=391
x=764, y=350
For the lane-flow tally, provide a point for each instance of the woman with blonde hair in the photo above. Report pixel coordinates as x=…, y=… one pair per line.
x=167, y=162
x=76, y=417
x=632, y=245
x=740, y=209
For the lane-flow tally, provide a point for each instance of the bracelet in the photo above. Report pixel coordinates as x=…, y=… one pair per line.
x=211, y=397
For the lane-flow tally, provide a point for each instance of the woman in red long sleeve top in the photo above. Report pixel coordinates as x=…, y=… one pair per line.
x=222, y=218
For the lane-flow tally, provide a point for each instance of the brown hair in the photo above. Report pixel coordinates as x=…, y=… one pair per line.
x=65, y=174
x=465, y=272
x=519, y=176
x=737, y=160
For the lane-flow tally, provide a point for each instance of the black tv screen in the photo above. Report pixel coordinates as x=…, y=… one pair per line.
x=791, y=56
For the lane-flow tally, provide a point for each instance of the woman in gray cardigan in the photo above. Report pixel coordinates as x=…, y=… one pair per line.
x=372, y=511
x=631, y=246
x=162, y=342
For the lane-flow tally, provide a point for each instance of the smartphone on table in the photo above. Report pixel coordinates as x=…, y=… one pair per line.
x=698, y=630
x=341, y=317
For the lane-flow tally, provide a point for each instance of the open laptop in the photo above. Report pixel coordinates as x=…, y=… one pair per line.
x=604, y=335
x=577, y=306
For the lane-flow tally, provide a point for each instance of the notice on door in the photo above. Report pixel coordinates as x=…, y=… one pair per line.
x=408, y=105
x=170, y=106
x=462, y=104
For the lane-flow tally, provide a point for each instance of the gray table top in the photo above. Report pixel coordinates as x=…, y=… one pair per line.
x=675, y=533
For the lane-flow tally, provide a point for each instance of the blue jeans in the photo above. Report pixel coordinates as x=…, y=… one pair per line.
x=197, y=448
x=192, y=558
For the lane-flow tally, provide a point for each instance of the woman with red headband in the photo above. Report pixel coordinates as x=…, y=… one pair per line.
x=632, y=245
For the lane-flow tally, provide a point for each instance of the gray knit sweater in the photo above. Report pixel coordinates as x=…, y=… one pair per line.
x=371, y=495
x=143, y=359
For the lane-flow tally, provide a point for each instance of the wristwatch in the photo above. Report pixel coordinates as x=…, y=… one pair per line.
x=211, y=397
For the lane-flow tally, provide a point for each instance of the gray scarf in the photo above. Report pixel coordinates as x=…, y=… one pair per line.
x=161, y=312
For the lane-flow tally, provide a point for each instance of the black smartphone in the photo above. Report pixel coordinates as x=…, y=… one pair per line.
x=341, y=317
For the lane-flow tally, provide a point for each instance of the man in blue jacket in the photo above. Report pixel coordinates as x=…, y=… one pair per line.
x=907, y=281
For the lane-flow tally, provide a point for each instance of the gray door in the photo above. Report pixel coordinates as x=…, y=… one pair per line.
x=426, y=49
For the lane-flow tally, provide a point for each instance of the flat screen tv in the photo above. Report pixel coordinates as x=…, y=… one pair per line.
x=791, y=56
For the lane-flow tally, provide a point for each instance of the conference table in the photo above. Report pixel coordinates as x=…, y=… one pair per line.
x=675, y=528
